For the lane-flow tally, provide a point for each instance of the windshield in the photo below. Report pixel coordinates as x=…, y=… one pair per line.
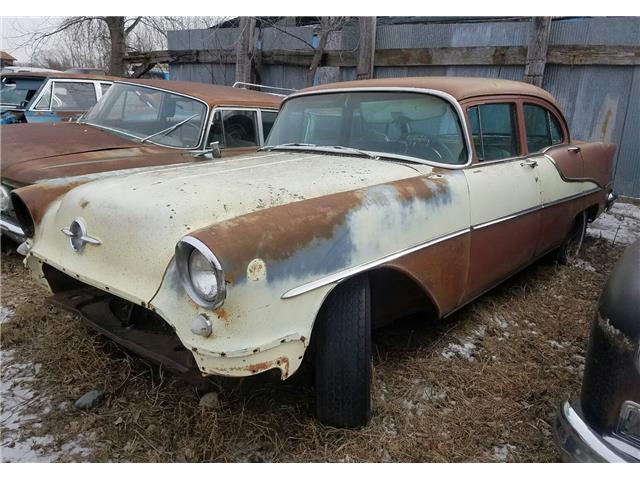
x=397, y=123
x=150, y=115
x=14, y=90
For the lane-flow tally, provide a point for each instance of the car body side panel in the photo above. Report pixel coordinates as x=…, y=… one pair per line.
x=301, y=242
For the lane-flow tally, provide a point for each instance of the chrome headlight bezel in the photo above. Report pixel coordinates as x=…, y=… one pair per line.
x=184, y=249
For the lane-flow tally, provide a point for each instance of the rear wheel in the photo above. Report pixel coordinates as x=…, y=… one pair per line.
x=570, y=248
x=343, y=356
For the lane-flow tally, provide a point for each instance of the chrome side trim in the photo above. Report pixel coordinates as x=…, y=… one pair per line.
x=349, y=272
x=534, y=209
x=570, y=180
x=436, y=93
x=11, y=228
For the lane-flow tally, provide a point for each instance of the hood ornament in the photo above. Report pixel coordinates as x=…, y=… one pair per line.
x=78, y=236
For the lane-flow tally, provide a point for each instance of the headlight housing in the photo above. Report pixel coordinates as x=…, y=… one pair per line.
x=200, y=272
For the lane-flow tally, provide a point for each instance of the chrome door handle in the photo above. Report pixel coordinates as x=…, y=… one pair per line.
x=529, y=163
x=573, y=149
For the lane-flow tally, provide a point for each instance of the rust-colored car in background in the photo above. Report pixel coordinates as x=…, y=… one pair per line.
x=137, y=124
x=370, y=200
x=49, y=97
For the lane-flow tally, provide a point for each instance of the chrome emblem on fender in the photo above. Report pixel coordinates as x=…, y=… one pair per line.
x=78, y=237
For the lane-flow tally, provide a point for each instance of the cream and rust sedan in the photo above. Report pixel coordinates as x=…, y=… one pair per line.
x=370, y=200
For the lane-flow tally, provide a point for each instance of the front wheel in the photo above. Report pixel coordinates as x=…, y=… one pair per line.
x=343, y=356
x=570, y=248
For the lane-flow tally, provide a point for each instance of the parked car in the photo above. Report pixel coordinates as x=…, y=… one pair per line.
x=370, y=200
x=604, y=424
x=136, y=124
x=37, y=97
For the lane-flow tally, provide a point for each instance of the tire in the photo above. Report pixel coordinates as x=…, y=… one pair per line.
x=343, y=356
x=570, y=248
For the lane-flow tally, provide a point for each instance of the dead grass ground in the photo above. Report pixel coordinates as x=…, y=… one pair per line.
x=483, y=385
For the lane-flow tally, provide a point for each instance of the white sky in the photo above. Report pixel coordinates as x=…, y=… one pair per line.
x=12, y=28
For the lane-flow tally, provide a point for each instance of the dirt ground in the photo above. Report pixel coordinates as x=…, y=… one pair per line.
x=481, y=386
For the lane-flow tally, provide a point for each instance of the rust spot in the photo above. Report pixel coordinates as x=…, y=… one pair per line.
x=282, y=363
x=420, y=188
x=222, y=315
x=277, y=233
x=38, y=197
x=84, y=204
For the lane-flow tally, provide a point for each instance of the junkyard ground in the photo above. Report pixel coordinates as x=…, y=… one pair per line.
x=483, y=385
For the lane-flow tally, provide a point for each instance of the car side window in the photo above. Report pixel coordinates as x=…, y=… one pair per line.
x=104, y=87
x=73, y=96
x=543, y=129
x=494, y=131
x=234, y=129
x=43, y=103
x=268, y=118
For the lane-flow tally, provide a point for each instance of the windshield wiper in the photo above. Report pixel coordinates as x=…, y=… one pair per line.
x=170, y=129
x=268, y=148
x=357, y=151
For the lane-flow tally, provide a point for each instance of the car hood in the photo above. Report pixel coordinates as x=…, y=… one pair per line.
x=29, y=153
x=139, y=217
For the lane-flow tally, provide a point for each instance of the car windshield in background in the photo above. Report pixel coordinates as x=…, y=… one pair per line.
x=397, y=123
x=150, y=115
x=16, y=92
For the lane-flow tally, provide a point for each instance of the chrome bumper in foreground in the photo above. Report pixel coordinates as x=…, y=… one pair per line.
x=579, y=443
x=11, y=230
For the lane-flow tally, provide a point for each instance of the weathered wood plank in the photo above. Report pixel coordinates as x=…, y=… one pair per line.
x=537, y=50
x=366, y=47
x=446, y=56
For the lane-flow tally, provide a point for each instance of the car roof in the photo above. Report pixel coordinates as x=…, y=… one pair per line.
x=61, y=75
x=214, y=95
x=461, y=88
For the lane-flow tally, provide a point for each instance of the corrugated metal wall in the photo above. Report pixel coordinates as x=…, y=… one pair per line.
x=600, y=102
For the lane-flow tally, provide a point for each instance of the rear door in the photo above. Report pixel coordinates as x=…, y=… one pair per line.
x=504, y=193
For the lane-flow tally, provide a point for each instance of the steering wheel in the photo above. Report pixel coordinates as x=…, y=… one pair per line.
x=418, y=140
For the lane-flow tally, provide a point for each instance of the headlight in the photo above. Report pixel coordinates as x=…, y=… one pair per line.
x=5, y=200
x=200, y=272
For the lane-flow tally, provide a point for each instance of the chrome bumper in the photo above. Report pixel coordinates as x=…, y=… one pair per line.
x=11, y=230
x=578, y=443
x=611, y=199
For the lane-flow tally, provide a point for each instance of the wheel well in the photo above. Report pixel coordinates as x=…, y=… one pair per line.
x=592, y=212
x=394, y=294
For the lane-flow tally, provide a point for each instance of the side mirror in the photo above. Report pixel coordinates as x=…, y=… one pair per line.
x=215, y=149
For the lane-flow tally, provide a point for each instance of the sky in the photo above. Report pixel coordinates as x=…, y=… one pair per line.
x=12, y=28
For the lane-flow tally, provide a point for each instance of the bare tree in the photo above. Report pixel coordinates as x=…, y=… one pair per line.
x=103, y=42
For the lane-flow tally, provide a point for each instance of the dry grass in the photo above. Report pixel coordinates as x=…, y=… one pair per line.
x=528, y=336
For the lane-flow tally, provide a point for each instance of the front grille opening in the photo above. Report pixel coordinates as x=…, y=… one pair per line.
x=132, y=326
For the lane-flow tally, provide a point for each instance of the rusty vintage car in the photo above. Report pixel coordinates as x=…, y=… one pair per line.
x=603, y=425
x=371, y=200
x=140, y=124
x=49, y=97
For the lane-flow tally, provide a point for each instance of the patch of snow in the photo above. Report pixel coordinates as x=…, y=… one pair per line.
x=499, y=321
x=620, y=225
x=467, y=347
x=17, y=395
x=583, y=265
x=560, y=345
x=501, y=453
x=5, y=314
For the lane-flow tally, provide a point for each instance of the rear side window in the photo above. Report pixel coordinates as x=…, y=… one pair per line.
x=494, y=131
x=69, y=96
x=543, y=129
x=234, y=129
x=104, y=87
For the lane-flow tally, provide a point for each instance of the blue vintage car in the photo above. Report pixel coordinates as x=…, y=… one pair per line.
x=37, y=97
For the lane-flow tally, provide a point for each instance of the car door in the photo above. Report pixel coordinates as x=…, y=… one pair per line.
x=504, y=196
x=65, y=100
